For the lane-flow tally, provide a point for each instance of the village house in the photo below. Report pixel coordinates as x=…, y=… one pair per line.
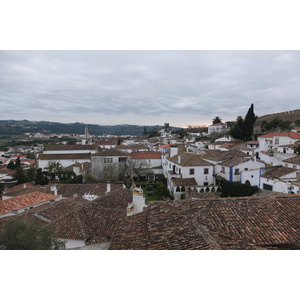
x=187, y=166
x=132, y=148
x=107, y=144
x=293, y=162
x=280, y=179
x=230, y=169
x=218, y=128
x=146, y=164
x=109, y=164
x=271, y=141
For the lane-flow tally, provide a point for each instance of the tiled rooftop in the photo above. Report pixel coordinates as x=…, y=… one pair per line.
x=184, y=181
x=236, y=223
x=71, y=156
x=293, y=160
x=277, y=172
x=27, y=200
x=19, y=187
x=217, y=155
x=290, y=134
x=145, y=155
x=110, y=152
x=188, y=159
x=69, y=190
x=69, y=147
x=234, y=161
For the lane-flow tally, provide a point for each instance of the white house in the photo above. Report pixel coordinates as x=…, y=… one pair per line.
x=217, y=128
x=272, y=140
x=279, y=178
x=293, y=162
x=66, y=160
x=187, y=165
x=148, y=163
x=231, y=169
x=108, y=164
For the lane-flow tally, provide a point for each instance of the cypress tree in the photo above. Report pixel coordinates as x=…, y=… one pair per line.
x=249, y=123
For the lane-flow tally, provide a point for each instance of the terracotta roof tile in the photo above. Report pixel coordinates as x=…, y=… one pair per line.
x=291, y=135
x=276, y=172
x=188, y=159
x=235, y=223
x=293, y=160
x=145, y=155
x=27, y=200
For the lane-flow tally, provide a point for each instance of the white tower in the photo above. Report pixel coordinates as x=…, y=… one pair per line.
x=87, y=139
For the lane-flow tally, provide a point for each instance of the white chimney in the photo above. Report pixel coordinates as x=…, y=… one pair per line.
x=179, y=159
x=138, y=200
x=108, y=187
x=24, y=186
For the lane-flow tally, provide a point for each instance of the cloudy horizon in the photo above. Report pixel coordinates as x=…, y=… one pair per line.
x=146, y=87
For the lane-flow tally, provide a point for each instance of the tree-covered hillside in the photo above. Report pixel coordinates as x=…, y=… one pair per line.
x=12, y=127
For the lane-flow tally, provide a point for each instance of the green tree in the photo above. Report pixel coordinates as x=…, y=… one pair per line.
x=236, y=189
x=53, y=168
x=20, y=175
x=182, y=133
x=249, y=123
x=41, y=178
x=31, y=173
x=237, y=130
x=11, y=165
x=216, y=120
x=21, y=235
x=297, y=149
x=18, y=162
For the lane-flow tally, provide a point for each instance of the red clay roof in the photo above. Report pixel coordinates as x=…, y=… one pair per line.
x=292, y=135
x=27, y=200
x=145, y=155
x=19, y=187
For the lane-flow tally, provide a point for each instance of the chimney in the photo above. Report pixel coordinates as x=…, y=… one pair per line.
x=179, y=159
x=173, y=151
x=108, y=187
x=138, y=200
x=24, y=186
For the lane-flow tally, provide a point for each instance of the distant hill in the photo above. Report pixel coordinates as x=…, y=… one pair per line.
x=291, y=115
x=13, y=127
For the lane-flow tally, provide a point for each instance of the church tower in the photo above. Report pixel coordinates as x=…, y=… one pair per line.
x=87, y=139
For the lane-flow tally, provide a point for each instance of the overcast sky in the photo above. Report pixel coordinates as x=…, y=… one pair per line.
x=146, y=87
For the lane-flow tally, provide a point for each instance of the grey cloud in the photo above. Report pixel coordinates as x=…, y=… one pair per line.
x=146, y=87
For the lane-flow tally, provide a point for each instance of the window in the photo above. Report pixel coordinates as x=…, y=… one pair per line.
x=246, y=169
x=223, y=170
x=108, y=160
x=294, y=167
x=192, y=171
x=277, y=141
x=205, y=183
x=122, y=159
x=236, y=171
x=267, y=187
x=206, y=171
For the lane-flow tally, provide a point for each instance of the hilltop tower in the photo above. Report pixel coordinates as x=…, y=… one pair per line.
x=87, y=139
